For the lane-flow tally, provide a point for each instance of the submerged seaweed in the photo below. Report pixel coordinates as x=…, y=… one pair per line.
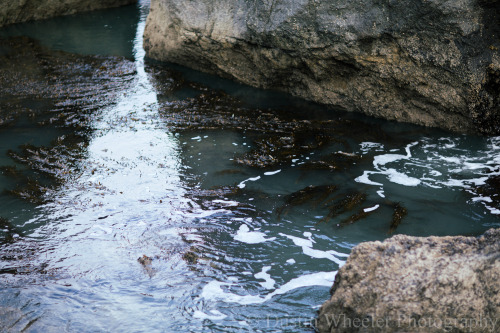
x=343, y=205
x=399, y=213
x=311, y=195
x=49, y=88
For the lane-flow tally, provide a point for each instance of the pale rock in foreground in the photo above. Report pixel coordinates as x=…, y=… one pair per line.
x=413, y=284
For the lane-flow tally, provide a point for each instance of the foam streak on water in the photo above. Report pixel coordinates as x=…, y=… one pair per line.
x=428, y=163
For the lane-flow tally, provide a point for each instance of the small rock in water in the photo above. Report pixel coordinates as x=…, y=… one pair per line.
x=146, y=263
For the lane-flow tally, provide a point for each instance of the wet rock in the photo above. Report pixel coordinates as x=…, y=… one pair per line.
x=147, y=264
x=27, y=10
x=434, y=63
x=414, y=284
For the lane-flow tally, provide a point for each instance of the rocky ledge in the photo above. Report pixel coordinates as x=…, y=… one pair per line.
x=26, y=10
x=413, y=284
x=429, y=62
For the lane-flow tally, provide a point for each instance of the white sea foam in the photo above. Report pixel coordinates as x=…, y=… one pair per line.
x=270, y=173
x=244, y=235
x=401, y=178
x=307, y=249
x=494, y=210
x=205, y=213
x=252, y=179
x=226, y=203
x=387, y=158
x=365, y=180
x=268, y=281
x=367, y=146
x=370, y=209
x=213, y=290
x=480, y=198
x=437, y=164
x=451, y=160
x=435, y=173
x=215, y=315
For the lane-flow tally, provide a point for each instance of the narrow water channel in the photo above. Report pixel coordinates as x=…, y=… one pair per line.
x=142, y=197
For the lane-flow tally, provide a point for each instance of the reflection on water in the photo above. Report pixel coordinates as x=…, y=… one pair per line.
x=105, y=32
x=148, y=197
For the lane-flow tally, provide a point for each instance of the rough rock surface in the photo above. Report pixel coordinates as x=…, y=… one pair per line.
x=429, y=62
x=15, y=11
x=412, y=284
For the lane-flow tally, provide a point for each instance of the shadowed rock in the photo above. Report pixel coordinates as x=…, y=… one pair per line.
x=27, y=10
x=434, y=63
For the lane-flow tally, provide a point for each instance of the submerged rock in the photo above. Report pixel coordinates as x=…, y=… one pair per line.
x=414, y=284
x=27, y=10
x=434, y=63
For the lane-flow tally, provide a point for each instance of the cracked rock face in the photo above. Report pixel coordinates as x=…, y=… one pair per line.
x=414, y=284
x=15, y=11
x=429, y=62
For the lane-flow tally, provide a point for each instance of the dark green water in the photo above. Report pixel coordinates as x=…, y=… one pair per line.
x=117, y=158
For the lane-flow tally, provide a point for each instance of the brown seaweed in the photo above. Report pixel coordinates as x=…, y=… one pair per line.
x=56, y=89
x=336, y=161
x=311, y=195
x=397, y=216
x=361, y=214
x=348, y=203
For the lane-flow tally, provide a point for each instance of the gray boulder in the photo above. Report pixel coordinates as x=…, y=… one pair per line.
x=429, y=62
x=15, y=11
x=413, y=284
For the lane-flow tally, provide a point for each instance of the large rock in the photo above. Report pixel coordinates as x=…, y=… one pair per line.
x=15, y=11
x=429, y=62
x=412, y=284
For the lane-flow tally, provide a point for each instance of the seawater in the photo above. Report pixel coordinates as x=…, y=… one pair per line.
x=222, y=245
